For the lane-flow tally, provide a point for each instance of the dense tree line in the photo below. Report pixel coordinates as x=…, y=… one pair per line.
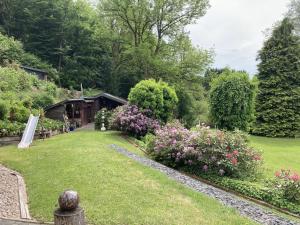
x=111, y=46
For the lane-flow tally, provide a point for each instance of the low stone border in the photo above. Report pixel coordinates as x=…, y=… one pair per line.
x=4, y=221
x=8, y=140
x=23, y=198
x=246, y=208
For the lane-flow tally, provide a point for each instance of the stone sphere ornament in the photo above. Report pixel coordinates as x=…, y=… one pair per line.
x=68, y=200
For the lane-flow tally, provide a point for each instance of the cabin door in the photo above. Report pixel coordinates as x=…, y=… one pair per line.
x=88, y=113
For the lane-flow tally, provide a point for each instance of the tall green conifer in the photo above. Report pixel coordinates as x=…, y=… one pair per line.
x=278, y=99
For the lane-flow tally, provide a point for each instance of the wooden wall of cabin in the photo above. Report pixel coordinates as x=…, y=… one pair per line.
x=56, y=113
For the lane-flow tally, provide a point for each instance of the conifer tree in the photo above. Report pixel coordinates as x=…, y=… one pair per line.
x=278, y=98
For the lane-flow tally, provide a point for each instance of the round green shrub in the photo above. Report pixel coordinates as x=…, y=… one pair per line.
x=3, y=110
x=158, y=97
x=232, y=101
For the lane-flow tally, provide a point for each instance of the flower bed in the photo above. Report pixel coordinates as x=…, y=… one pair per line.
x=8, y=128
x=224, y=159
x=217, y=152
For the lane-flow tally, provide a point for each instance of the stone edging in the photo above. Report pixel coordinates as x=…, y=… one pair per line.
x=244, y=207
x=5, y=221
x=23, y=198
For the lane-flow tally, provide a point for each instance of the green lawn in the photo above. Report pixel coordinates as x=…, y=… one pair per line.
x=278, y=153
x=113, y=188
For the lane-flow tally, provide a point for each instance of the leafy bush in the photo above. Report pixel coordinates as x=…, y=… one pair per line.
x=42, y=100
x=216, y=152
x=10, y=50
x=8, y=128
x=288, y=184
x=130, y=119
x=158, y=97
x=99, y=121
x=3, y=110
x=49, y=124
x=19, y=113
x=232, y=101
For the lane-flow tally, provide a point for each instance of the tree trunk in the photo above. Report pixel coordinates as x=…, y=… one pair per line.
x=75, y=217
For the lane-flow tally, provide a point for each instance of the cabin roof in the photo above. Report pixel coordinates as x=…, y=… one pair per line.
x=33, y=69
x=88, y=99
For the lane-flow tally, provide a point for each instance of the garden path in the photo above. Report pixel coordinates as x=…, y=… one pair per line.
x=9, y=194
x=89, y=126
x=244, y=207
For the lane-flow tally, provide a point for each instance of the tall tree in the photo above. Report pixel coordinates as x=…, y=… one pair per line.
x=278, y=99
x=294, y=14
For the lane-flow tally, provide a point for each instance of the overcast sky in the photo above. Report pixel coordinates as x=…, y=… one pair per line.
x=234, y=29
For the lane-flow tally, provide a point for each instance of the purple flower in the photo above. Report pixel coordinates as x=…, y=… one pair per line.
x=205, y=168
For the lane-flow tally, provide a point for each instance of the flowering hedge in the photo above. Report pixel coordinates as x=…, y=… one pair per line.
x=217, y=152
x=130, y=119
x=288, y=185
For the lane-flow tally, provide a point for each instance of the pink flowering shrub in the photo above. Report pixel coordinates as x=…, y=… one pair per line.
x=288, y=184
x=204, y=151
x=130, y=119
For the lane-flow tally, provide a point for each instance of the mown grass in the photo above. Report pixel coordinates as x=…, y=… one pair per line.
x=113, y=188
x=278, y=153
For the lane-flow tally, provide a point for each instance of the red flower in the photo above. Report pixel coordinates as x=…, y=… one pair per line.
x=234, y=161
x=295, y=177
x=236, y=152
x=228, y=155
x=277, y=174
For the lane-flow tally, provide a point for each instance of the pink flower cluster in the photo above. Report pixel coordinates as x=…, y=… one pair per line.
x=222, y=153
x=287, y=175
x=130, y=119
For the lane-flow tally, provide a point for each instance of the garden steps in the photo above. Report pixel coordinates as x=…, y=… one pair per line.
x=244, y=207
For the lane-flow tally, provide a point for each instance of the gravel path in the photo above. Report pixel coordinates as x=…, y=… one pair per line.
x=246, y=208
x=9, y=195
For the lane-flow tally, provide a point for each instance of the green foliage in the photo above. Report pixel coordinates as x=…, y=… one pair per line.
x=111, y=47
x=185, y=108
x=8, y=128
x=288, y=184
x=11, y=51
x=107, y=117
x=232, y=101
x=158, y=97
x=3, y=110
x=18, y=112
x=251, y=189
x=42, y=100
x=278, y=99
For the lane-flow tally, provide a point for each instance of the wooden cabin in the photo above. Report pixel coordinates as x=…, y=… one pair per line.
x=41, y=74
x=83, y=110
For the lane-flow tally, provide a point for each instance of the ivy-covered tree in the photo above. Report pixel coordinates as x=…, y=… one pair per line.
x=278, y=99
x=232, y=101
